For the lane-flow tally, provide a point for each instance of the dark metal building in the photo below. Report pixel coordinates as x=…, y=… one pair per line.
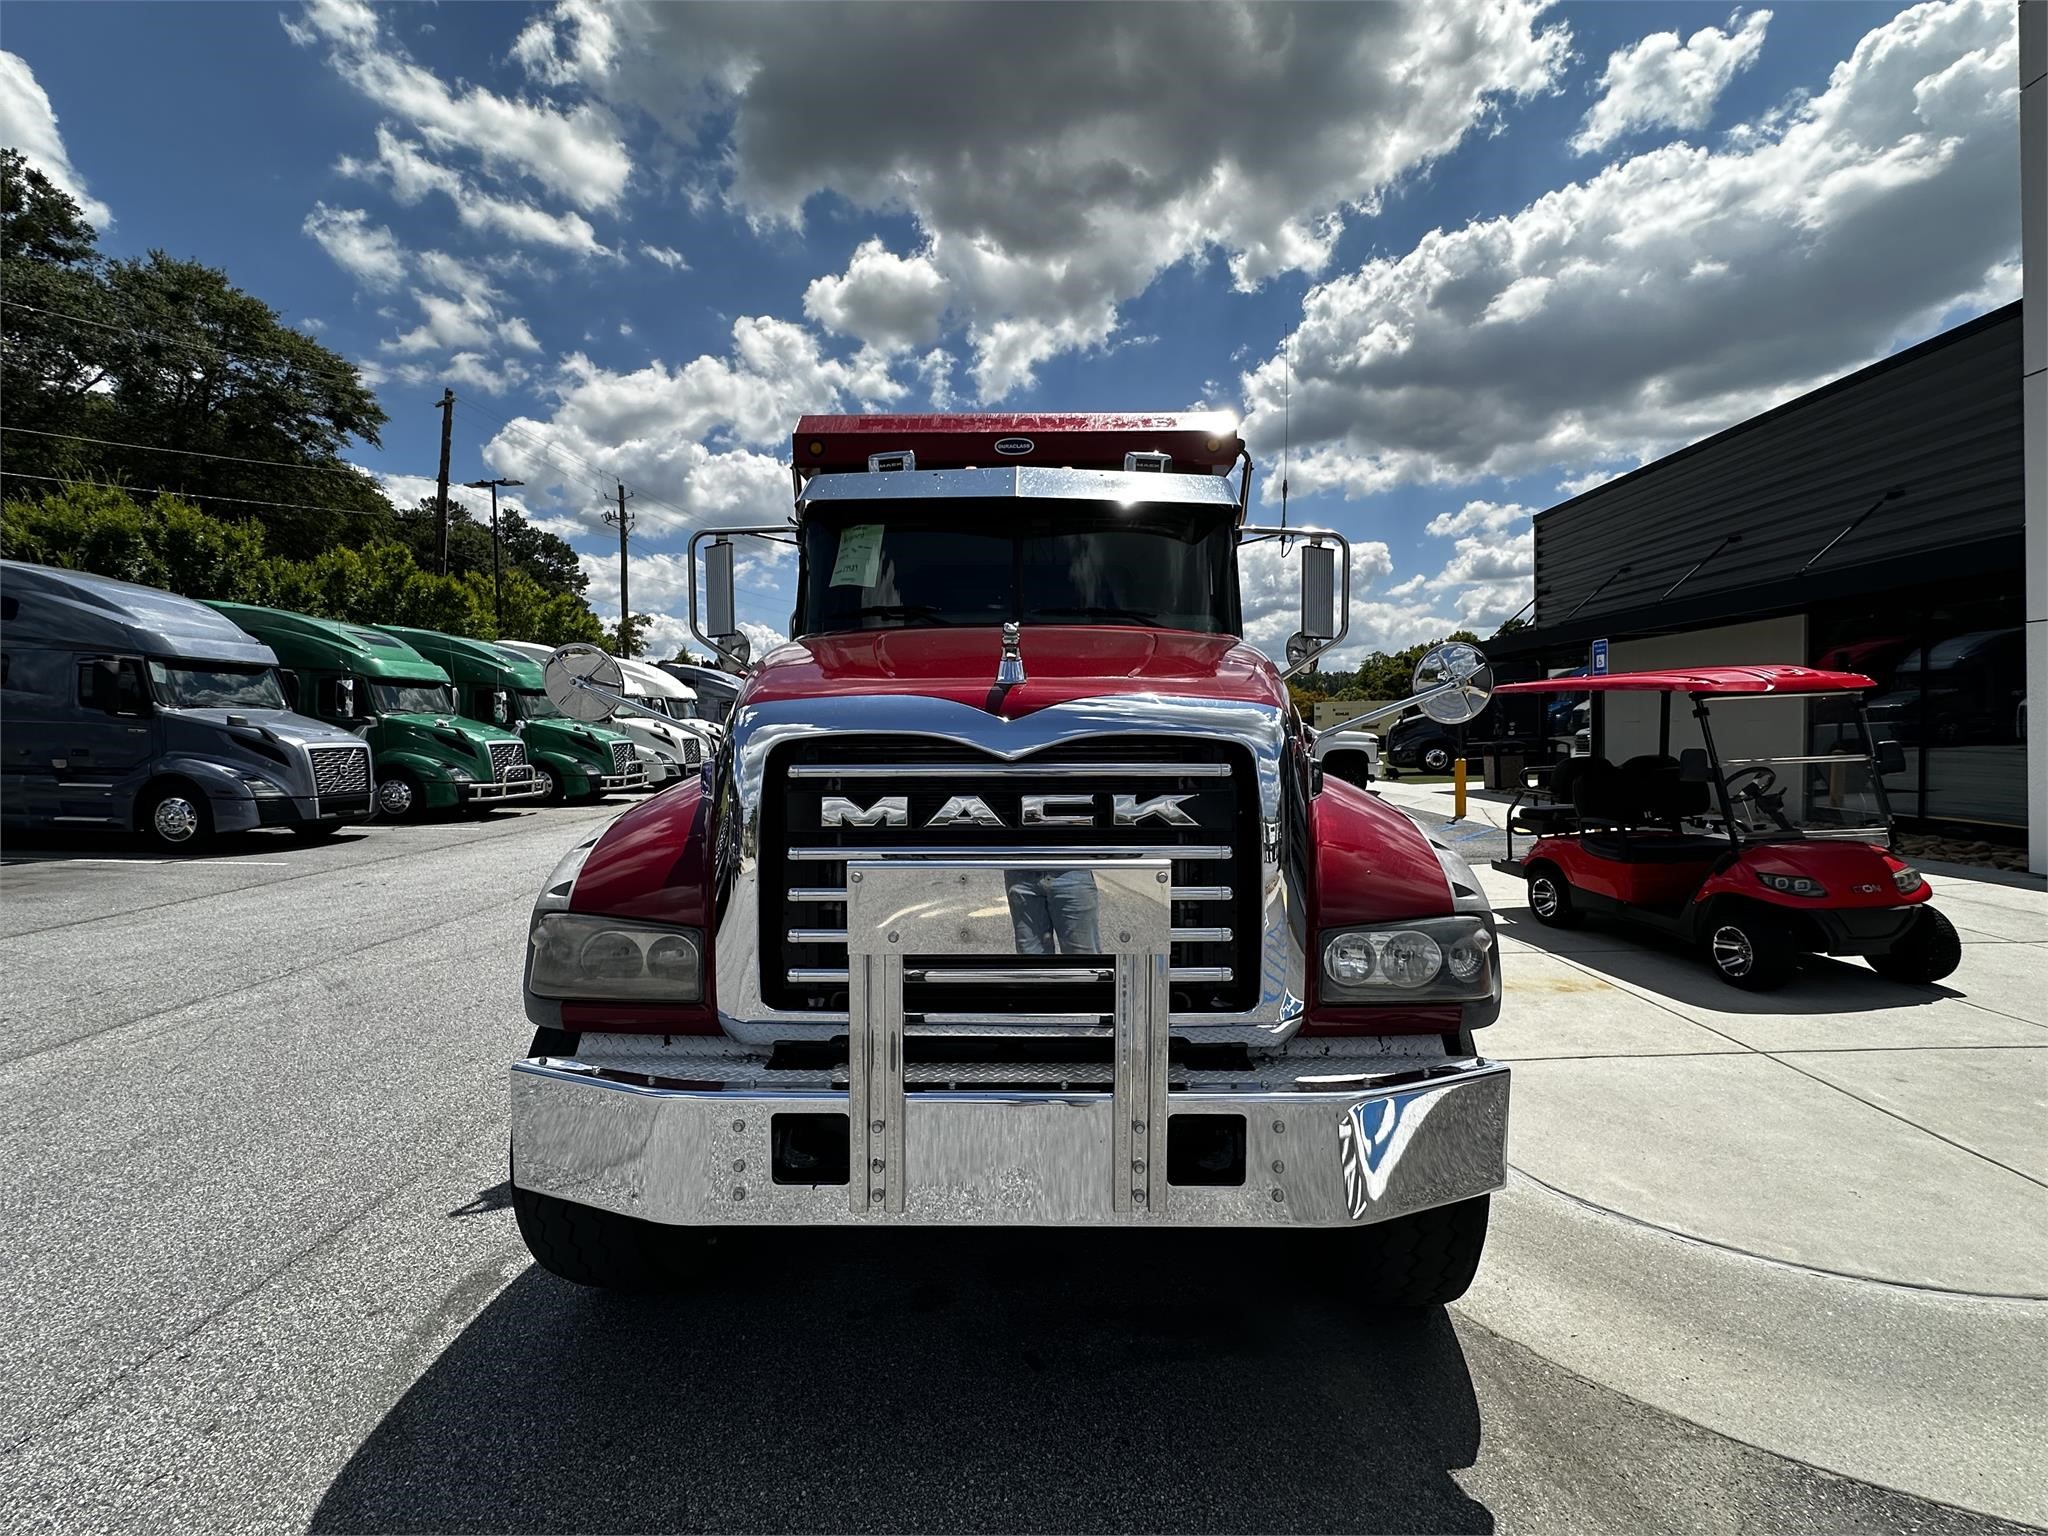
x=1876, y=524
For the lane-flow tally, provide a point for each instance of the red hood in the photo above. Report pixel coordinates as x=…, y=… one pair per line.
x=1061, y=663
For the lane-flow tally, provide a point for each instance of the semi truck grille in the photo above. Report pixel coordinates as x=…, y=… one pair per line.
x=506, y=756
x=341, y=771
x=622, y=756
x=855, y=797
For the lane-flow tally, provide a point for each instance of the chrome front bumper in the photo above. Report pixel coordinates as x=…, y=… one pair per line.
x=1324, y=1144
x=502, y=789
x=702, y=1155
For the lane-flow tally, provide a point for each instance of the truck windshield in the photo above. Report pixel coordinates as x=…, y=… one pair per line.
x=214, y=685
x=413, y=698
x=906, y=565
x=535, y=705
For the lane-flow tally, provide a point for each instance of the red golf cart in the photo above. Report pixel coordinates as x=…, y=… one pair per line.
x=1756, y=859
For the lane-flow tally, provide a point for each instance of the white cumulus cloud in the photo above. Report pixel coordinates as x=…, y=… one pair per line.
x=29, y=123
x=368, y=252
x=1666, y=82
x=1674, y=292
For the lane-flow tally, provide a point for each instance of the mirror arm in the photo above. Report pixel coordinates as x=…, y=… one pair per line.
x=1386, y=711
x=775, y=530
x=619, y=701
x=1313, y=536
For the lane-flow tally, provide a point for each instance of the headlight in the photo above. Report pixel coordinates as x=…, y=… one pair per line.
x=580, y=956
x=261, y=787
x=1436, y=958
x=1907, y=880
x=1793, y=885
x=460, y=775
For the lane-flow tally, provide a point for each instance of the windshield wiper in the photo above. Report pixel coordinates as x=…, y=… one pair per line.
x=1141, y=615
x=893, y=611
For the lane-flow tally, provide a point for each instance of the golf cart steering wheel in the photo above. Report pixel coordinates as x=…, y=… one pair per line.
x=1752, y=783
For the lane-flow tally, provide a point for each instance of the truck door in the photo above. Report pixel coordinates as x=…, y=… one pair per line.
x=104, y=751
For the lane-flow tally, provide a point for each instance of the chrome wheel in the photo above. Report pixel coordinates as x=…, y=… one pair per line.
x=1733, y=952
x=394, y=797
x=1437, y=760
x=1543, y=896
x=176, y=819
x=549, y=790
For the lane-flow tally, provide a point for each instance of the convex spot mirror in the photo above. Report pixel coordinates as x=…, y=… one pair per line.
x=1465, y=677
x=584, y=683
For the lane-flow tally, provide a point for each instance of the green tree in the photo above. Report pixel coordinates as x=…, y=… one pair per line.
x=546, y=557
x=170, y=356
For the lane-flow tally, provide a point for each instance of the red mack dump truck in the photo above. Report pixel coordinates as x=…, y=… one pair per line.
x=1016, y=895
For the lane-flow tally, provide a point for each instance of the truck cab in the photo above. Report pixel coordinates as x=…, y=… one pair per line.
x=125, y=707
x=1016, y=894
x=666, y=750
x=573, y=762
x=429, y=756
x=716, y=691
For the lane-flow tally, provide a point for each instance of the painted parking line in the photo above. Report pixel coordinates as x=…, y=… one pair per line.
x=30, y=858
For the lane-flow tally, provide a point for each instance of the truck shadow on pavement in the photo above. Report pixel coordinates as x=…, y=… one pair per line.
x=868, y=1380
x=1823, y=984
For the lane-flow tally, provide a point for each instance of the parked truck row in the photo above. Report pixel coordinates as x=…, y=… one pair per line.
x=130, y=709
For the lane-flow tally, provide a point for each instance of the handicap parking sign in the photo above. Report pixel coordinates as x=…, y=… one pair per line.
x=1599, y=662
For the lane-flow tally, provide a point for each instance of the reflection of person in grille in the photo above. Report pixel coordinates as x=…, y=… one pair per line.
x=1053, y=906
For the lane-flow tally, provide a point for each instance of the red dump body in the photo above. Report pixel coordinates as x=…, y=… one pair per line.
x=1197, y=442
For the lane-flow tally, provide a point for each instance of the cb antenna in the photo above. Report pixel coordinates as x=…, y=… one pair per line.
x=1286, y=422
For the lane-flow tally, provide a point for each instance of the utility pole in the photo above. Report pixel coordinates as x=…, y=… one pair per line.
x=447, y=409
x=625, y=522
x=497, y=581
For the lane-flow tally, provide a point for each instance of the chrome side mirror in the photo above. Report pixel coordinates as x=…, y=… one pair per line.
x=585, y=684
x=1325, y=605
x=1453, y=682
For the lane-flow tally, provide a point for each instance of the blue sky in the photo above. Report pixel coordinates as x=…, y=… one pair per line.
x=1509, y=250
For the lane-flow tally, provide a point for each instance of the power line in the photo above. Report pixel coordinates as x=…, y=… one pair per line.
x=158, y=490
x=194, y=453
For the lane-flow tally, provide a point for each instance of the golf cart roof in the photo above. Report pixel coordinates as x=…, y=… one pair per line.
x=1703, y=680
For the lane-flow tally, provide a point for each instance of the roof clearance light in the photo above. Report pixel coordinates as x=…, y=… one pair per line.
x=1153, y=463
x=884, y=463
x=817, y=448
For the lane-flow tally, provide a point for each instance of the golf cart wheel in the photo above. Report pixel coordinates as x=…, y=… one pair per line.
x=1749, y=950
x=1930, y=950
x=1436, y=760
x=400, y=797
x=1550, y=898
x=175, y=818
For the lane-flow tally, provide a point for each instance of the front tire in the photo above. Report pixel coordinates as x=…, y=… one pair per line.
x=175, y=819
x=400, y=796
x=1550, y=898
x=1424, y=1260
x=601, y=1249
x=1437, y=760
x=1749, y=950
x=550, y=786
x=1930, y=950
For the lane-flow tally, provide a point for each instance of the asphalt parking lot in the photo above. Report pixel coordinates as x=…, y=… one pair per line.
x=259, y=1274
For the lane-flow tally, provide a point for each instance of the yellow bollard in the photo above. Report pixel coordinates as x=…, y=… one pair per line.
x=1458, y=790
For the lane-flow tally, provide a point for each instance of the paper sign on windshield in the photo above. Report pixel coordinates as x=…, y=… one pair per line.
x=860, y=556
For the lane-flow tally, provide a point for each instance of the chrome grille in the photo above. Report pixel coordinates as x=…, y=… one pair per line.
x=506, y=756
x=1215, y=957
x=341, y=771
x=622, y=756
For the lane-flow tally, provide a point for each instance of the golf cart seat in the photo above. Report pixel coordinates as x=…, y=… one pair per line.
x=1558, y=814
x=1659, y=791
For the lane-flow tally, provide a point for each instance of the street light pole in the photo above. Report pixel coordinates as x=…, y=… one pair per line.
x=497, y=581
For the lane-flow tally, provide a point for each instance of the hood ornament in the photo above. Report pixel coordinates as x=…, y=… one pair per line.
x=1011, y=672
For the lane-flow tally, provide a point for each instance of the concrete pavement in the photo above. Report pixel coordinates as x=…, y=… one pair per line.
x=1842, y=1185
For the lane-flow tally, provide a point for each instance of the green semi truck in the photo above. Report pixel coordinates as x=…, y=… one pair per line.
x=428, y=756
x=573, y=761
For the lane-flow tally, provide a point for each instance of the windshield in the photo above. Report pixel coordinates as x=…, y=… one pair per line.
x=1833, y=788
x=535, y=705
x=904, y=565
x=217, y=685
x=412, y=698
